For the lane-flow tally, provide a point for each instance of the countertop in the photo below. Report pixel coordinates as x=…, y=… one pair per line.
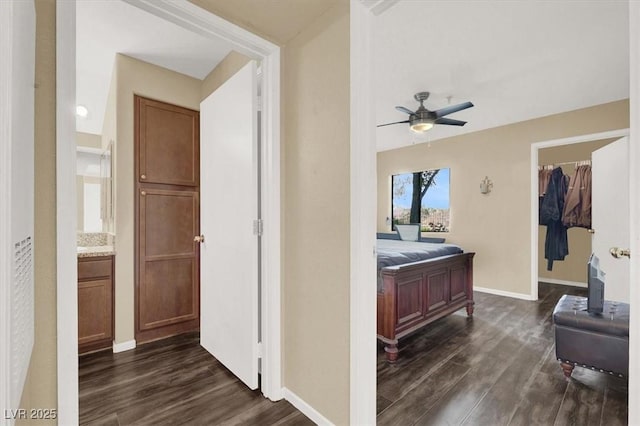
x=95, y=251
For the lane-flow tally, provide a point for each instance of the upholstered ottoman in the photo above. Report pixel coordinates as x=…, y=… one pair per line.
x=596, y=341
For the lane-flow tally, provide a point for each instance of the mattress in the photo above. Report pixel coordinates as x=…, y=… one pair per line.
x=396, y=252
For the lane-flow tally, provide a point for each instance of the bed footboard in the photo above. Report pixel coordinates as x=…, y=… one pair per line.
x=416, y=294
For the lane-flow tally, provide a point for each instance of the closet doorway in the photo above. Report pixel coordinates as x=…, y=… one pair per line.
x=567, y=154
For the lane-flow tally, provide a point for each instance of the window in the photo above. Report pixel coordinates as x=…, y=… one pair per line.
x=421, y=197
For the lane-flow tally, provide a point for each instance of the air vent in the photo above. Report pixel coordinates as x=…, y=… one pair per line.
x=22, y=313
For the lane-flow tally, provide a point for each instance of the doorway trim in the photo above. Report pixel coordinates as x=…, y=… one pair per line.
x=362, y=395
x=203, y=22
x=535, y=148
x=634, y=202
x=362, y=27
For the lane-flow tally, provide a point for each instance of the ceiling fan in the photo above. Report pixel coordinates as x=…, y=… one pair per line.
x=422, y=119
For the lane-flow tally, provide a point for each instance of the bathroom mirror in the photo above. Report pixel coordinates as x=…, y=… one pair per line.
x=94, y=189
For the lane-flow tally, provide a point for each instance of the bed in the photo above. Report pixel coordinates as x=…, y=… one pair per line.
x=419, y=283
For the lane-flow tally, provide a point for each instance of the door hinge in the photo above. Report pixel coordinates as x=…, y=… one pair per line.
x=258, y=227
x=259, y=349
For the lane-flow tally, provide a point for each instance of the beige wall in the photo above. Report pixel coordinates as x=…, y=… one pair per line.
x=278, y=21
x=316, y=215
x=495, y=226
x=573, y=267
x=140, y=78
x=230, y=65
x=40, y=387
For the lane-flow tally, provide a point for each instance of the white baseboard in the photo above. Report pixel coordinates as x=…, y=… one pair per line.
x=562, y=282
x=305, y=408
x=124, y=346
x=503, y=293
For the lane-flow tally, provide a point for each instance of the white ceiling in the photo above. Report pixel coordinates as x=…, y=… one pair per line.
x=107, y=27
x=514, y=60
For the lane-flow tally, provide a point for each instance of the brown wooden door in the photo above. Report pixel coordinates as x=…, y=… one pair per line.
x=168, y=207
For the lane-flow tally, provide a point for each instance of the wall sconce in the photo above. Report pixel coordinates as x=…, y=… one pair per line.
x=485, y=185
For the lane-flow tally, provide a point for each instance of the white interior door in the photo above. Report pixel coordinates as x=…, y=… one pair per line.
x=610, y=215
x=229, y=206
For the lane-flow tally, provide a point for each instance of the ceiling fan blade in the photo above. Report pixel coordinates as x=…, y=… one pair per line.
x=450, y=122
x=389, y=124
x=405, y=110
x=451, y=109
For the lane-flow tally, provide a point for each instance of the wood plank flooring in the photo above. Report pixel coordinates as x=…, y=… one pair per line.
x=498, y=368
x=172, y=382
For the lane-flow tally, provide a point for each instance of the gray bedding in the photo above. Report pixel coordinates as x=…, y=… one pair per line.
x=396, y=252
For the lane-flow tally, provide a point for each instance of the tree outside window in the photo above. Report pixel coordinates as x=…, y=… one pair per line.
x=422, y=197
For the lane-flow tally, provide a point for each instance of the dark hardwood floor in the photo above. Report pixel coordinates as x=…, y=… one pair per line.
x=498, y=368
x=172, y=382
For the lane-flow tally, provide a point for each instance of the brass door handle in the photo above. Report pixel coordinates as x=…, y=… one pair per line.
x=591, y=231
x=199, y=238
x=617, y=252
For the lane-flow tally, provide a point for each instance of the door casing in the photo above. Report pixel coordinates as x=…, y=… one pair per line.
x=535, y=148
x=363, y=215
x=192, y=17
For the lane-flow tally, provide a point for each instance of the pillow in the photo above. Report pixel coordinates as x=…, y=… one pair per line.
x=387, y=236
x=432, y=240
x=409, y=232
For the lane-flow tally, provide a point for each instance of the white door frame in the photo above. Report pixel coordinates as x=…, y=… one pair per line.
x=191, y=17
x=634, y=200
x=363, y=379
x=66, y=214
x=535, y=148
x=363, y=214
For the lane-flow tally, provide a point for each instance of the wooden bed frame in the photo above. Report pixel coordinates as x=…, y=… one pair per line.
x=416, y=294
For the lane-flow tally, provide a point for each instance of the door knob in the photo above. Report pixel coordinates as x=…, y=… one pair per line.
x=617, y=252
x=199, y=238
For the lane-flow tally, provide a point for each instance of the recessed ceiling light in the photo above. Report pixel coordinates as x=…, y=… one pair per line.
x=82, y=111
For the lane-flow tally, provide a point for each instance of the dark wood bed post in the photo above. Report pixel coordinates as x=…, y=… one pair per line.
x=391, y=349
x=567, y=369
x=470, y=304
x=470, y=301
x=386, y=322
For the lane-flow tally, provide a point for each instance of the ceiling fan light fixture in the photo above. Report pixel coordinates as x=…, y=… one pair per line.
x=421, y=125
x=422, y=119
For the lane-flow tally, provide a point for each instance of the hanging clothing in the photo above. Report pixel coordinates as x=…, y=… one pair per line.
x=543, y=180
x=544, y=175
x=556, y=246
x=577, y=203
